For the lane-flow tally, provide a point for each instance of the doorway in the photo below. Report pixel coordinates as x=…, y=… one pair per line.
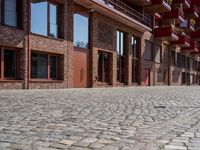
x=81, y=57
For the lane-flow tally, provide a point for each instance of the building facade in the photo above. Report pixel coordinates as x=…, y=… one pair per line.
x=99, y=43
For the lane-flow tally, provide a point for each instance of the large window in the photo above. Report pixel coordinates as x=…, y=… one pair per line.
x=44, y=18
x=10, y=64
x=103, y=66
x=54, y=67
x=9, y=68
x=11, y=12
x=135, y=42
x=148, y=52
x=158, y=54
x=183, y=61
x=39, y=65
x=120, y=56
x=179, y=60
x=173, y=58
x=44, y=66
x=188, y=63
x=81, y=31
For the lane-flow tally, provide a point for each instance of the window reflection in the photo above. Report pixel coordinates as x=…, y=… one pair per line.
x=10, y=13
x=39, y=65
x=54, y=67
x=53, y=21
x=81, y=29
x=39, y=17
x=44, y=18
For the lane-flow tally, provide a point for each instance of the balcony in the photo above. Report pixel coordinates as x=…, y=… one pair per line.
x=139, y=2
x=196, y=2
x=192, y=48
x=178, y=3
x=197, y=21
x=159, y=6
x=196, y=35
x=187, y=26
x=129, y=11
x=191, y=13
x=197, y=52
x=176, y=15
x=166, y=33
x=119, y=11
x=182, y=41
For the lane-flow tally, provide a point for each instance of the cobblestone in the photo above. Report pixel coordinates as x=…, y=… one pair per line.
x=142, y=118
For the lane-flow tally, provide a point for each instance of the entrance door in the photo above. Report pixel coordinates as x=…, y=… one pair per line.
x=81, y=58
x=147, y=77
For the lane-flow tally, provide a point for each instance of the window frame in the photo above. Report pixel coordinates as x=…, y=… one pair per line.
x=155, y=54
x=49, y=2
x=19, y=13
x=135, y=59
x=2, y=64
x=121, y=56
x=83, y=14
x=103, y=78
x=152, y=51
x=59, y=56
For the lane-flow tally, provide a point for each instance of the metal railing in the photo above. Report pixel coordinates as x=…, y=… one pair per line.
x=189, y=1
x=168, y=2
x=129, y=11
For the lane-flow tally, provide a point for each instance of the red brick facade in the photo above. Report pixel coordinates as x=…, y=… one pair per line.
x=102, y=36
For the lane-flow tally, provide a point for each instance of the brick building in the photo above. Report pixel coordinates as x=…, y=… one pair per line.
x=98, y=43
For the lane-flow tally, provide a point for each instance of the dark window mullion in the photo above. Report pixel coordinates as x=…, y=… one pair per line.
x=49, y=67
x=103, y=67
x=119, y=56
x=48, y=18
x=58, y=20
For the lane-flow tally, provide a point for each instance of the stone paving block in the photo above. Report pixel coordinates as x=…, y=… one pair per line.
x=96, y=145
x=110, y=147
x=67, y=142
x=175, y=147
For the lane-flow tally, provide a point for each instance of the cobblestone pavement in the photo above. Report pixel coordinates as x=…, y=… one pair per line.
x=142, y=118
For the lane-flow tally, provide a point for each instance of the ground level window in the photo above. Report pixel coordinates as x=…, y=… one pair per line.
x=183, y=78
x=39, y=65
x=121, y=52
x=120, y=68
x=54, y=67
x=44, y=66
x=9, y=67
x=10, y=64
x=135, y=71
x=103, y=66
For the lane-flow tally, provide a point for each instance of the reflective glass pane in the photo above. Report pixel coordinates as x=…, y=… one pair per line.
x=39, y=17
x=54, y=67
x=118, y=43
x=53, y=21
x=10, y=13
x=81, y=29
x=39, y=66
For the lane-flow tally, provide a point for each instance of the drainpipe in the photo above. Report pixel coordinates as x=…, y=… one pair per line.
x=28, y=43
